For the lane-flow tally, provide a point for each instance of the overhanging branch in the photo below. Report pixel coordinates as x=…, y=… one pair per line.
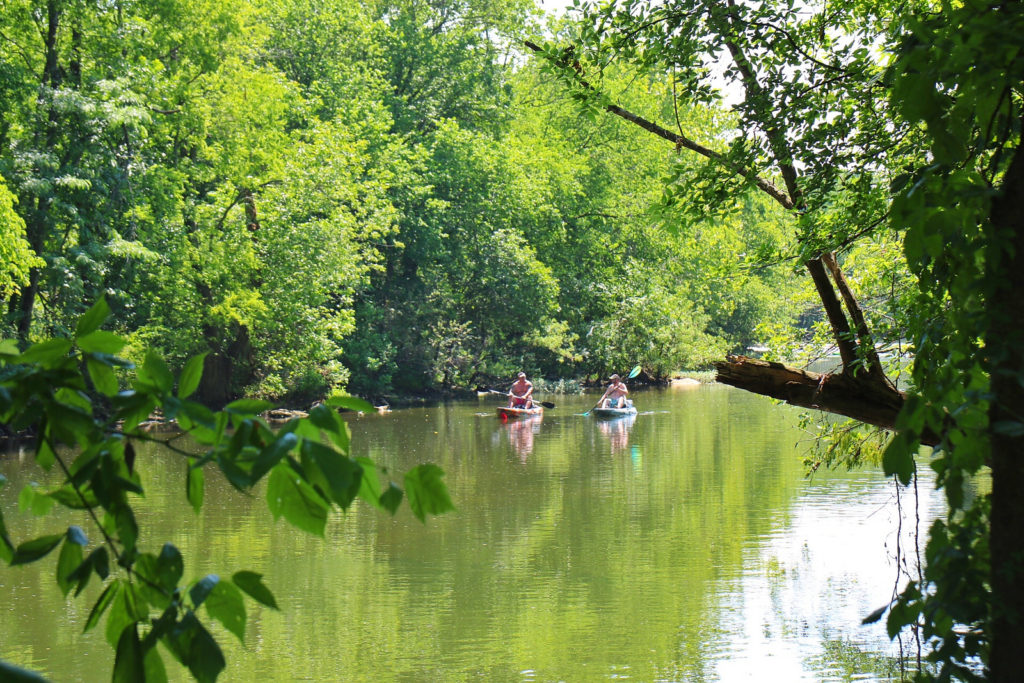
x=866, y=400
x=682, y=141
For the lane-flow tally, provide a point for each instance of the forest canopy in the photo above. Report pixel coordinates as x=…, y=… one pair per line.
x=387, y=197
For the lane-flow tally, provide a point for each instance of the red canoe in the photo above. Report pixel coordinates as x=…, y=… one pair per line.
x=517, y=413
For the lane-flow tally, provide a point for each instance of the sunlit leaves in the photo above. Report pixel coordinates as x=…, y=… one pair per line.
x=154, y=373
x=427, y=493
x=98, y=562
x=349, y=403
x=291, y=497
x=91, y=320
x=125, y=609
x=101, y=341
x=47, y=353
x=369, y=482
x=340, y=477
x=954, y=71
x=225, y=604
x=190, y=376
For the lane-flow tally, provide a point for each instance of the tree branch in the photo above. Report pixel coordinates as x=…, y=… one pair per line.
x=861, y=399
x=834, y=311
x=857, y=316
x=682, y=141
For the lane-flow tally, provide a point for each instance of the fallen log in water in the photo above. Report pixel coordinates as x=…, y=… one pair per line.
x=862, y=398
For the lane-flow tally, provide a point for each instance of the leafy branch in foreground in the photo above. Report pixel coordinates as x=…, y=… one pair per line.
x=67, y=393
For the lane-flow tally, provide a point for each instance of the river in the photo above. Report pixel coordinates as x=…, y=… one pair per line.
x=685, y=544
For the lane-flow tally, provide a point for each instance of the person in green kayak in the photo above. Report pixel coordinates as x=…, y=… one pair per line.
x=615, y=395
x=521, y=393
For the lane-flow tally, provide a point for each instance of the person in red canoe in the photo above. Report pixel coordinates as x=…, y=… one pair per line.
x=615, y=394
x=521, y=393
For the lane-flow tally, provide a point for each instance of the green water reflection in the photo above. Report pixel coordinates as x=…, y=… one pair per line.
x=684, y=544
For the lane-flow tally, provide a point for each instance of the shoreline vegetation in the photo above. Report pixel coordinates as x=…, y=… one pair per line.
x=385, y=404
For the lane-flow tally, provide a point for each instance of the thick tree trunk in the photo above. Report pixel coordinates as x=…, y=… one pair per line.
x=863, y=399
x=1005, y=346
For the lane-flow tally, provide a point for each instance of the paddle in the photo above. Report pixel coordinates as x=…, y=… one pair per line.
x=632, y=373
x=547, y=404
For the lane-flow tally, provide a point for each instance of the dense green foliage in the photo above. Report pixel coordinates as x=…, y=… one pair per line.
x=960, y=74
x=67, y=390
x=381, y=195
x=924, y=220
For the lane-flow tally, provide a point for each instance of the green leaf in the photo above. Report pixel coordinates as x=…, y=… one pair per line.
x=328, y=420
x=134, y=407
x=11, y=673
x=294, y=499
x=271, y=455
x=128, y=662
x=248, y=407
x=76, y=400
x=36, y=549
x=391, y=498
x=325, y=418
x=342, y=474
x=93, y=318
x=70, y=559
x=6, y=545
x=97, y=561
x=427, y=493
x=9, y=347
x=350, y=403
x=127, y=527
x=102, y=603
x=154, y=665
x=252, y=585
x=902, y=614
x=369, y=482
x=127, y=608
x=155, y=373
x=191, y=374
x=45, y=457
x=202, y=588
x=46, y=352
x=225, y=604
x=875, y=616
x=196, y=648
x=198, y=414
x=101, y=341
x=898, y=459
x=31, y=500
x=71, y=498
x=195, y=486
x=103, y=377
x=101, y=561
x=162, y=573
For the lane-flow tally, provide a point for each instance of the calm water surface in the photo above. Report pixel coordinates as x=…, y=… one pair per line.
x=684, y=544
